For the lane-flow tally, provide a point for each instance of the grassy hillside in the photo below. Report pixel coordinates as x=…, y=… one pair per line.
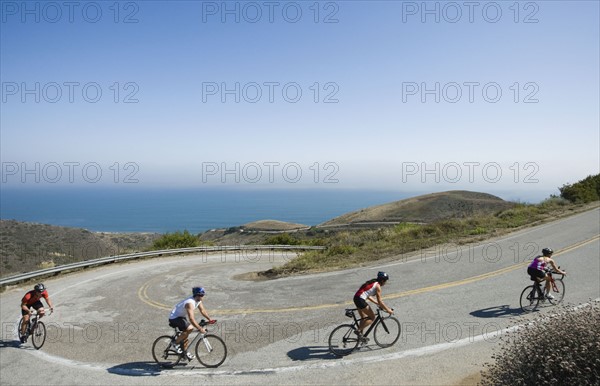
x=427, y=209
x=354, y=247
x=26, y=247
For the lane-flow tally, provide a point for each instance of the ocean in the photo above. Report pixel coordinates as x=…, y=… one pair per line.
x=170, y=210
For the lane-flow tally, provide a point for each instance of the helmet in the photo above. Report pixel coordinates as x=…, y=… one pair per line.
x=39, y=287
x=382, y=276
x=547, y=252
x=198, y=291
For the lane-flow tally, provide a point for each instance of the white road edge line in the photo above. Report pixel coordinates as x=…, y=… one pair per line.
x=123, y=370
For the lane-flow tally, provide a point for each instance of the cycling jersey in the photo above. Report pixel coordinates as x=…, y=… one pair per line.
x=33, y=297
x=367, y=290
x=538, y=263
x=179, y=310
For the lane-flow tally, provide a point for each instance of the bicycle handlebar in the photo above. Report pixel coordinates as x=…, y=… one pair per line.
x=204, y=323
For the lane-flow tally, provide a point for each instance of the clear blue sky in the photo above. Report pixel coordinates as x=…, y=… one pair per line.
x=372, y=59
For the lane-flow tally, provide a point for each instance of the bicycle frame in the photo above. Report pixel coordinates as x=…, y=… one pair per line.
x=378, y=319
x=538, y=284
x=193, y=341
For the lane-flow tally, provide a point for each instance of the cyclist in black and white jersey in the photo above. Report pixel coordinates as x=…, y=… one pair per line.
x=370, y=290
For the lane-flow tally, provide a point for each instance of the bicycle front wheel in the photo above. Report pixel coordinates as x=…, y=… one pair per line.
x=38, y=337
x=211, y=351
x=343, y=340
x=162, y=352
x=387, y=331
x=19, y=329
x=558, y=295
x=530, y=299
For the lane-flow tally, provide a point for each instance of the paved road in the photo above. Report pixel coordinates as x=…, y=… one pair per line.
x=450, y=301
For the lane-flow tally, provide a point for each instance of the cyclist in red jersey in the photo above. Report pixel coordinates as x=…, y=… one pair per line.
x=366, y=292
x=33, y=299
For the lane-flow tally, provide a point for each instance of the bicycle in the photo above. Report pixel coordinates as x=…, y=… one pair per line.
x=35, y=328
x=533, y=294
x=345, y=338
x=210, y=349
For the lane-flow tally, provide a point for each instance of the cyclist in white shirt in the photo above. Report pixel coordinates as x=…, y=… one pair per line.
x=182, y=318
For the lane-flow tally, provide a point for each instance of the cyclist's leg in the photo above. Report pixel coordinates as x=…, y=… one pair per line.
x=184, y=337
x=39, y=308
x=182, y=325
x=548, y=285
x=25, y=322
x=366, y=313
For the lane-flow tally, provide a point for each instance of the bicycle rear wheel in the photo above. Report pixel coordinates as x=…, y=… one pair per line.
x=558, y=295
x=162, y=352
x=211, y=351
x=38, y=336
x=343, y=340
x=530, y=299
x=387, y=331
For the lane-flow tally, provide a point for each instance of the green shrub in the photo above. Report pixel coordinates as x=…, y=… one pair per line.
x=338, y=250
x=282, y=239
x=584, y=191
x=176, y=240
x=563, y=349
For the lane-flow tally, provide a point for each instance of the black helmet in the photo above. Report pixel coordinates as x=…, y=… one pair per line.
x=198, y=291
x=39, y=287
x=382, y=276
x=547, y=252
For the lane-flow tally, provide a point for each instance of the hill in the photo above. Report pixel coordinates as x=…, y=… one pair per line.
x=273, y=226
x=26, y=247
x=425, y=209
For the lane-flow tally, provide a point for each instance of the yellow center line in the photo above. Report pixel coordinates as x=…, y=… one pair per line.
x=143, y=290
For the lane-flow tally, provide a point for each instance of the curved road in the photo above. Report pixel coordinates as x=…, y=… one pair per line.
x=450, y=301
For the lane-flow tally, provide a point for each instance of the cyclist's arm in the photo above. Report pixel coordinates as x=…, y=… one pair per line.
x=203, y=311
x=554, y=267
x=380, y=302
x=190, y=313
x=49, y=302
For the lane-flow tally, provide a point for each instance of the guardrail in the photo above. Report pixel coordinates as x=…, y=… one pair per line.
x=131, y=256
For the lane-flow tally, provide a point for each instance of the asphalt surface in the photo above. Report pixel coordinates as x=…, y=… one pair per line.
x=451, y=302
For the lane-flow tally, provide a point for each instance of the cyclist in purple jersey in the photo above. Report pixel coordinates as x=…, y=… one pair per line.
x=537, y=269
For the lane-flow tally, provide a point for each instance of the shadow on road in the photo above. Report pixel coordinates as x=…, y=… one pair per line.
x=497, y=312
x=310, y=353
x=141, y=369
x=10, y=343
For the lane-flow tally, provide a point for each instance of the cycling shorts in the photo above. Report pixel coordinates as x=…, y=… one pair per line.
x=36, y=306
x=535, y=273
x=180, y=323
x=360, y=302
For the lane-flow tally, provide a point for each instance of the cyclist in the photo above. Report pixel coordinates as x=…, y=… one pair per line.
x=182, y=318
x=538, y=266
x=33, y=299
x=366, y=292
